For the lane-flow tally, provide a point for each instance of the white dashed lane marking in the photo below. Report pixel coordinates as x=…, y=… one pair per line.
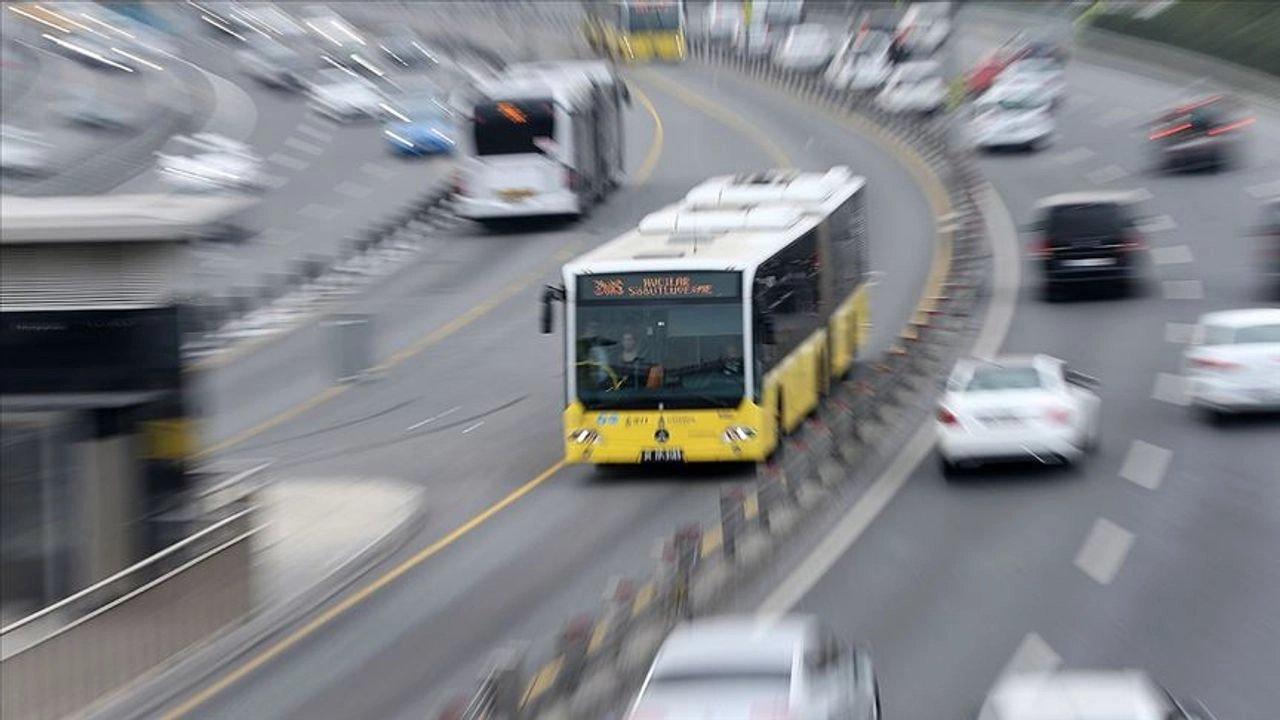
x=379, y=171
x=1171, y=255
x=1179, y=333
x=1033, y=655
x=469, y=428
x=1115, y=115
x=1107, y=174
x=303, y=146
x=1264, y=190
x=314, y=134
x=1146, y=464
x=1182, y=289
x=1104, y=551
x=1158, y=223
x=352, y=190
x=1170, y=388
x=289, y=161
x=433, y=418
x=1073, y=156
x=316, y=211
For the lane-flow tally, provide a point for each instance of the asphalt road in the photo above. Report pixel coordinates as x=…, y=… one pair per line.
x=469, y=408
x=1159, y=551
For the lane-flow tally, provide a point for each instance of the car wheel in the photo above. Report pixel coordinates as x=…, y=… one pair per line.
x=1212, y=415
x=948, y=468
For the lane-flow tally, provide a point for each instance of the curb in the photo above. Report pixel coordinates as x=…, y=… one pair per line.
x=194, y=667
x=600, y=656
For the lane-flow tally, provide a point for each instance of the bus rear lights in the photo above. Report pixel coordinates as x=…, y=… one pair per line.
x=738, y=433
x=585, y=436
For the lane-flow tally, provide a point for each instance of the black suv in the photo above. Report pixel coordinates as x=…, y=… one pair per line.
x=1088, y=238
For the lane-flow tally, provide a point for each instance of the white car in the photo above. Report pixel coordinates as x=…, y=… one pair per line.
x=1006, y=116
x=806, y=48
x=724, y=21
x=344, y=96
x=1086, y=695
x=916, y=87
x=1013, y=408
x=864, y=65
x=756, y=40
x=1043, y=74
x=1233, y=363
x=23, y=152
x=216, y=163
x=925, y=27
x=748, y=667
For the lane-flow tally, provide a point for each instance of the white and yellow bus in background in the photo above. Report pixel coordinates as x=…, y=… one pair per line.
x=712, y=329
x=636, y=30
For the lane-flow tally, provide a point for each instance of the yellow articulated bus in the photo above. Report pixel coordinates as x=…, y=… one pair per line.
x=712, y=329
x=636, y=30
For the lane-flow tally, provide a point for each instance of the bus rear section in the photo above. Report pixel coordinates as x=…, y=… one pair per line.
x=638, y=30
x=522, y=162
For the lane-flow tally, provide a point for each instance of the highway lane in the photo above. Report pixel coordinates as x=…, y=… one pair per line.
x=1159, y=551
x=484, y=405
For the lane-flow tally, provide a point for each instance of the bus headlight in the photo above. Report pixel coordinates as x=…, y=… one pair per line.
x=738, y=433
x=585, y=436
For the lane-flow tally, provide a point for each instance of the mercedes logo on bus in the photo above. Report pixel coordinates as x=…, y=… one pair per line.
x=661, y=435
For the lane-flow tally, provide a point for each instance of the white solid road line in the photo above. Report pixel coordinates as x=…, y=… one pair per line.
x=1004, y=298
x=289, y=161
x=1104, y=175
x=1104, y=551
x=433, y=418
x=1179, y=333
x=294, y=143
x=1183, y=289
x=1145, y=464
x=1170, y=388
x=1171, y=255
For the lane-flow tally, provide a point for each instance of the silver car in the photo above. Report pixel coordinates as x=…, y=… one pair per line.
x=1086, y=695
x=737, y=668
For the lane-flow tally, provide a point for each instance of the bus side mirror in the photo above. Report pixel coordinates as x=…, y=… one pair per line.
x=550, y=294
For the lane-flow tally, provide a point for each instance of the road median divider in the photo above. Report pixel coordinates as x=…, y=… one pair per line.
x=834, y=454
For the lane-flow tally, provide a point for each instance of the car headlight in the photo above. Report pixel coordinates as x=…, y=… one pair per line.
x=584, y=436
x=738, y=433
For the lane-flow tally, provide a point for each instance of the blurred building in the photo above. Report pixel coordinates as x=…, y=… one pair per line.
x=95, y=426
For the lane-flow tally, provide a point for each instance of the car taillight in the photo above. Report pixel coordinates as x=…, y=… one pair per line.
x=1216, y=364
x=1166, y=132
x=1061, y=416
x=1042, y=247
x=570, y=179
x=1231, y=126
x=946, y=417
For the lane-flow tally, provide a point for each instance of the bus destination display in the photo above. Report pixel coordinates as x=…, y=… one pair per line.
x=659, y=286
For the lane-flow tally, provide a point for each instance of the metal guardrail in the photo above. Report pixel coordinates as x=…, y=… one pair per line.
x=65, y=657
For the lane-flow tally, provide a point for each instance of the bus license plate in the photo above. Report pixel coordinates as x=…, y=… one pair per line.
x=516, y=194
x=669, y=455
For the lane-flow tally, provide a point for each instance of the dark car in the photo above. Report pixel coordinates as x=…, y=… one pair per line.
x=1203, y=133
x=1089, y=239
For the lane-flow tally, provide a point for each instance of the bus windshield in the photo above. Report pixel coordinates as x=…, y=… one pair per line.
x=513, y=128
x=639, y=353
x=653, y=17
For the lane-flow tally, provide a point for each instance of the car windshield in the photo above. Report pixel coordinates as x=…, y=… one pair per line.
x=653, y=18
x=634, y=352
x=989, y=378
x=513, y=127
x=1249, y=334
x=1089, y=220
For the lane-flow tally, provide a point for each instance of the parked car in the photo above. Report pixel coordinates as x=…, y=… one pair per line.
x=1086, y=695
x=1089, y=238
x=1233, y=362
x=924, y=28
x=1016, y=408
x=724, y=21
x=743, y=667
x=806, y=48
x=1011, y=116
x=863, y=64
x=914, y=87
x=212, y=163
x=1044, y=75
x=757, y=40
x=1204, y=133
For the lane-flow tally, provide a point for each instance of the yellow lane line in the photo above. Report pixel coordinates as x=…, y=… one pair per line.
x=728, y=117
x=543, y=680
x=293, y=638
x=712, y=539
x=655, y=148
x=643, y=597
